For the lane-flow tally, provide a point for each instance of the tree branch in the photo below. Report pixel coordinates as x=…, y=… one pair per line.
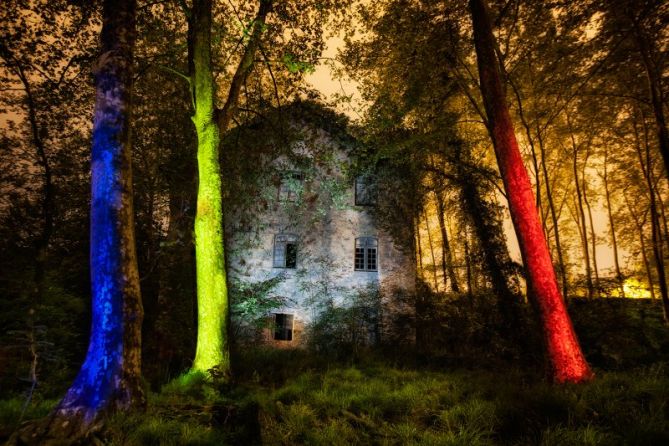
x=224, y=114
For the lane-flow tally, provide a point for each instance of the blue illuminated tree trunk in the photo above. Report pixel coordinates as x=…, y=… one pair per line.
x=109, y=379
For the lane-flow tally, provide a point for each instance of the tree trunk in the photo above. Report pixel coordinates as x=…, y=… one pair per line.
x=583, y=230
x=554, y=218
x=48, y=205
x=110, y=377
x=468, y=266
x=567, y=360
x=419, y=249
x=663, y=214
x=656, y=238
x=434, y=260
x=655, y=90
x=446, y=254
x=593, y=237
x=213, y=351
x=37, y=134
x=639, y=226
x=614, y=242
x=489, y=233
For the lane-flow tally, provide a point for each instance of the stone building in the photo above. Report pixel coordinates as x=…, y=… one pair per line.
x=311, y=233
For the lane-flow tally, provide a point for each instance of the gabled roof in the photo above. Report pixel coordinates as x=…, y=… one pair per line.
x=307, y=111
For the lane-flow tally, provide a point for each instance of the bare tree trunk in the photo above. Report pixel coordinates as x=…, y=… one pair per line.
x=583, y=230
x=662, y=214
x=434, y=259
x=554, y=218
x=567, y=361
x=612, y=228
x=419, y=248
x=468, y=266
x=639, y=226
x=593, y=237
x=497, y=265
x=446, y=254
x=654, y=218
x=655, y=89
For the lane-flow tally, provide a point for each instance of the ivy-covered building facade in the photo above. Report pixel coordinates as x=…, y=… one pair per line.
x=307, y=255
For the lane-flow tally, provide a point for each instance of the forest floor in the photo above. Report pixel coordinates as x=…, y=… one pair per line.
x=289, y=397
x=373, y=402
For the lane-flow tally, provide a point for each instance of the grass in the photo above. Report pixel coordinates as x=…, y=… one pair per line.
x=371, y=402
x=375, y=404
x=463, y=396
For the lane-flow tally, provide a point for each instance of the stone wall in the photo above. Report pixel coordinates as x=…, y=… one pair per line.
x=321, y=214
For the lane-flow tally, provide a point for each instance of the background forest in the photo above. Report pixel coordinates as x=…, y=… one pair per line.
x=587, y=88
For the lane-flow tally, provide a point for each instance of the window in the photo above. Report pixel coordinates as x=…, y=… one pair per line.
x=290, y=186
x=366, y=253
x=285, y=251
x=283, y=327
x=365, y=190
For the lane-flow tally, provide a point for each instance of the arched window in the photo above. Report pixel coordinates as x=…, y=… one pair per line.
x=285, y=251
x=366, y=253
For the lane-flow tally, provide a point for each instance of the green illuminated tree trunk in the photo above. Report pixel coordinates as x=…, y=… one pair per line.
x=212, y=294
x=566, y=358
x=212, y=354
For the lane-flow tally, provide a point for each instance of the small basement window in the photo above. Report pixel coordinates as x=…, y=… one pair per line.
x=366, y=251
x=290, y=186
x=285, y=251
x=366, y=190
x=283, y=327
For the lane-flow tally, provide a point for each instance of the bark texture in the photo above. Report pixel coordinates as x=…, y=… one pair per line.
x=109, y=379
x=563, y=350
x=212, y=354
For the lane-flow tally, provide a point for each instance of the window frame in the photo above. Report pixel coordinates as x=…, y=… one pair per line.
x=369, y=182
x=285, y=330
x=366, y=243
x=289, y=239
x=290, y=196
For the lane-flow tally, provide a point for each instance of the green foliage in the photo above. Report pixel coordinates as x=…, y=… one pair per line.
x=50, y=329
x=11, y=411
x=342, y=328
x=295, y=66
x=251, y=302
x=619, y=334
x=464, y=329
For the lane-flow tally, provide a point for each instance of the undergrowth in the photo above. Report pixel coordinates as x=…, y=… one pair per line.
x=371, y=402
x=462, y=395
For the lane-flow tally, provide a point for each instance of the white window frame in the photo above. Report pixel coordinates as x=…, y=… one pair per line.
x=366, y=244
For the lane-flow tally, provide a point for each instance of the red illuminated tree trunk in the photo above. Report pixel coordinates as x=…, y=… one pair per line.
x=564, y=352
